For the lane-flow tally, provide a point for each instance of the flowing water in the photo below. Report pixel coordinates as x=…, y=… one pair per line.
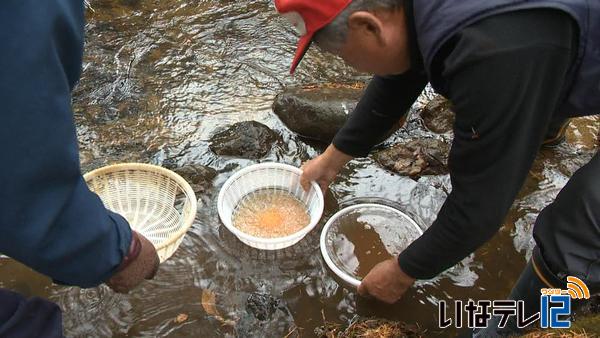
x=160, y=77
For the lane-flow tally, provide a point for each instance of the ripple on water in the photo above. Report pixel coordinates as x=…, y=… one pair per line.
x=96, y=312
x=160, y=77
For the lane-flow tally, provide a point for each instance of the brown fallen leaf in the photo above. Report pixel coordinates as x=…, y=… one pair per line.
x=182, y=317
x=210, y=307
x=209, y=303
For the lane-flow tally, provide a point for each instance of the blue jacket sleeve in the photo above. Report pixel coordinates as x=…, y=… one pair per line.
x=49, y=220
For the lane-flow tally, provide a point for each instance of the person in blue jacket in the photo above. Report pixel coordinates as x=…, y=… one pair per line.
x=49, y=219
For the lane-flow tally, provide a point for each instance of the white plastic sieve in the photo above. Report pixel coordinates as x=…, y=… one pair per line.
x=268, y=176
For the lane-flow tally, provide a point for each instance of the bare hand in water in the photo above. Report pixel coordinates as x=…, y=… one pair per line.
x=141, y=263
x=386, y=282
x=324, y=168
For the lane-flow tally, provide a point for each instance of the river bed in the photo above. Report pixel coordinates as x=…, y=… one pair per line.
x=162, y=76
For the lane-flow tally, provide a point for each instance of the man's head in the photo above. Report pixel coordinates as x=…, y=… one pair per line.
x=369, y=35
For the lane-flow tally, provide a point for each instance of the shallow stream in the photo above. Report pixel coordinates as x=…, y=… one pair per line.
x=160, y=77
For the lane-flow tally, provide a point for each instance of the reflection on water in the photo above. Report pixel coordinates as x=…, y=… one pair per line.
x=102, y=310
x=361, y=238
x=160, y=77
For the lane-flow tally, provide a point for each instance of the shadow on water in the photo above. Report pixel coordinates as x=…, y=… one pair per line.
x=161, y=77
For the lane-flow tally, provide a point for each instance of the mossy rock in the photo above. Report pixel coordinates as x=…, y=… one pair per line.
x=415, y=158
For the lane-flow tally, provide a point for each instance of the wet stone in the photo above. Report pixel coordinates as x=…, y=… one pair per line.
x=198, y=176
x=415, y=158
x=266, y=316
x=316, y=112
x=248, y=139
x=262, y=306
x=438, y=116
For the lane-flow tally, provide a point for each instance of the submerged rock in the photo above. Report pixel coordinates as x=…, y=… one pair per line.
x=248, y=139
x=262, y=306
x=198, y=176
x=316, y=112
x=415, y=158
x=438, y=115
x=265, y=316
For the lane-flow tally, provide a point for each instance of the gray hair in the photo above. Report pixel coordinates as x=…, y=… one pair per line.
x=333, y=36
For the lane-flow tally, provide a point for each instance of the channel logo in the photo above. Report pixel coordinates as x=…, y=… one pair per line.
x=555, y=309
x=555, y=304
x=577, y=289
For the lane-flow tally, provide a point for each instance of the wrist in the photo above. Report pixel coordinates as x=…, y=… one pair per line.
x=405, y=278
x=405, y=270
x=335, y=158
x=135, y=247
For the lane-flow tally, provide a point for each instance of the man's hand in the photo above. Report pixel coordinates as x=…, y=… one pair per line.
x=324, y=168
x=141, y=263
x=386, y=282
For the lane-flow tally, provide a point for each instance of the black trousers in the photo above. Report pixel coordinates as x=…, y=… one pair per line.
x=567, y=236
x=567, y=232
x=26, y=318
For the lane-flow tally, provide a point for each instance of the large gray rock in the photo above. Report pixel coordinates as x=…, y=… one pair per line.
x=415, y=158
x=248, y=139
x=316, y=112
x=438, y=115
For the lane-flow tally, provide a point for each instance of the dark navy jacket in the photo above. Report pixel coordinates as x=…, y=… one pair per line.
x=437, y=21
x=484, y=158
x=510, y=74
x=49, y=220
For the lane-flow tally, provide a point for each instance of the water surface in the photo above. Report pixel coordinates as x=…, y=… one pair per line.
x=160, y=77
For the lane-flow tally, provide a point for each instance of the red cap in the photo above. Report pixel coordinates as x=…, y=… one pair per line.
x=308, y=16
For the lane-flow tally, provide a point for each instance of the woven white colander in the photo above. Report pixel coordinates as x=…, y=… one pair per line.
x=262, y=176
x=157, y=203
